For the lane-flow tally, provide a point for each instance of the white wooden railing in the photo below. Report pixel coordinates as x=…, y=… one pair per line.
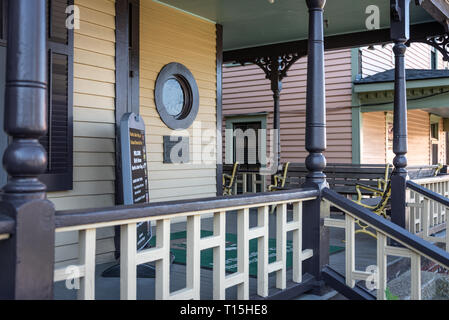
x=427, y=216
x=413, y=248
x=160, y=254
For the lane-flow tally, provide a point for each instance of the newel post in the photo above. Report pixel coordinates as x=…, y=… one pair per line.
x=27, y=257
x=399, y=34
x=315, y=235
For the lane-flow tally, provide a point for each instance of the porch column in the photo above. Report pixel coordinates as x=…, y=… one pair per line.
x=315, y=235
x=276, y=87
x=400, y=35
x=27, y=257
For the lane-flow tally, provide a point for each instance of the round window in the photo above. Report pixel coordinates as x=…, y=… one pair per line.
x=176, y=96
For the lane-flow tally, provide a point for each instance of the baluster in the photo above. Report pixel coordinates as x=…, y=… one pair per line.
x=128, y=269
x=281, y=245
x=262, y=247
x=297, y=243
x=219, y=268
x=243, y=252
x=381, y=266
x=162, y=278
x=425, y=217
x=87, y=243
x=350, y=250
x=415, y=277
x=194, y=255
x=245, y=183
x=447, y=236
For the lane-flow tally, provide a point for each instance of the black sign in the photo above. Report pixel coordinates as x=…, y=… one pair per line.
x=134, y=169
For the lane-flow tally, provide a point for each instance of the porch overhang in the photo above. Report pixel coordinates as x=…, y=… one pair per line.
x=259, y=26
x=427, y=90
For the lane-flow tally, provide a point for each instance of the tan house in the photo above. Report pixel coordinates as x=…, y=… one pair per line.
x=93, y=91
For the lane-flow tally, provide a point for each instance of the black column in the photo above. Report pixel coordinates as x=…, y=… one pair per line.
x=27, y=258
x=276, y=87
x=315, y=235
x=315, y=103
x=400, y=35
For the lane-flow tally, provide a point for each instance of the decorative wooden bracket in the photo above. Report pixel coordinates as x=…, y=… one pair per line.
x=440, y=42
x=276, y=67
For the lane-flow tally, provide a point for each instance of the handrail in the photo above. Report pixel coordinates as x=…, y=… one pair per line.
x=392, y=230
x=71, y=218
x=428, y=193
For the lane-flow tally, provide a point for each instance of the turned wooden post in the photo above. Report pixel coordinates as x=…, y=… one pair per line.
x=315, y=235
x=27, y=258
x=399, y=34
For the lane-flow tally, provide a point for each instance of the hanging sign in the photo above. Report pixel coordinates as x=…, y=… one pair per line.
x=134, y=169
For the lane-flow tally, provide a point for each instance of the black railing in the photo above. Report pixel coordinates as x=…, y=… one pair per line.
x=428, y=193
x=71, y=218
x=387, y=227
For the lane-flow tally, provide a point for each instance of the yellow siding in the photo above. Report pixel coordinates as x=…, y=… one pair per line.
x=418, y=127
x=168, y=35
x=419, y=149
x=373, y=137
x=93, y=127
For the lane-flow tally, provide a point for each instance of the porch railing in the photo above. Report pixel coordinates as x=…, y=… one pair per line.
x=412, y=247
x=428, y=208
x=86, y=222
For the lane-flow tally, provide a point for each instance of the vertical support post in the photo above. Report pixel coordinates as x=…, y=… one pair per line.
x=162, y=283
x=243, y=253
x=315, y=235
x=276, y=87
x=27, y=258
x=399, y=34
x=193, y=268
x=87, y=245
x=281, y=245
x=262, y=247
x=128, y=266
x=219, y=268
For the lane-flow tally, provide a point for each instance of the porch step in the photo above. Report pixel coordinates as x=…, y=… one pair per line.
x=331, y=295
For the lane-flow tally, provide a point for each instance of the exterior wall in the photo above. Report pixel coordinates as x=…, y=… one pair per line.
x=373, y=137
x=93, y=126
x=382, y=58
x=168, y=35
x=245, y=90
x=419, y=141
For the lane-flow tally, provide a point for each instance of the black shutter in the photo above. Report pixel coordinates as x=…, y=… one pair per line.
x=59, y=139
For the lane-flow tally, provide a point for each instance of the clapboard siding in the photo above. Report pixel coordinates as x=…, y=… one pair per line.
x=382, y=58
x=246, y=90
x=93, y=127
x=168, y=35
x=373, y=137
x=418, y=127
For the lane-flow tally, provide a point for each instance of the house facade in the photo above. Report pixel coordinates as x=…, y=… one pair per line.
x=358, y=122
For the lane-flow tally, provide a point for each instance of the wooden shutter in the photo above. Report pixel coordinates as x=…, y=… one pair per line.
x=59, y=139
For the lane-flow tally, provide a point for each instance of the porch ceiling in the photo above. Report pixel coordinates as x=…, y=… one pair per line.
x=250, y=23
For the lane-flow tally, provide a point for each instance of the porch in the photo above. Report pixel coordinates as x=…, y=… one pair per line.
x=301, y=217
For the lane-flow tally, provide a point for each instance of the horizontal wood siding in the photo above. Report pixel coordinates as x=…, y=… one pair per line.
x=373, y=137
x=93, y=126
x=168, y=35
x=246, y=90
x=418, y=126
x=382, y=58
